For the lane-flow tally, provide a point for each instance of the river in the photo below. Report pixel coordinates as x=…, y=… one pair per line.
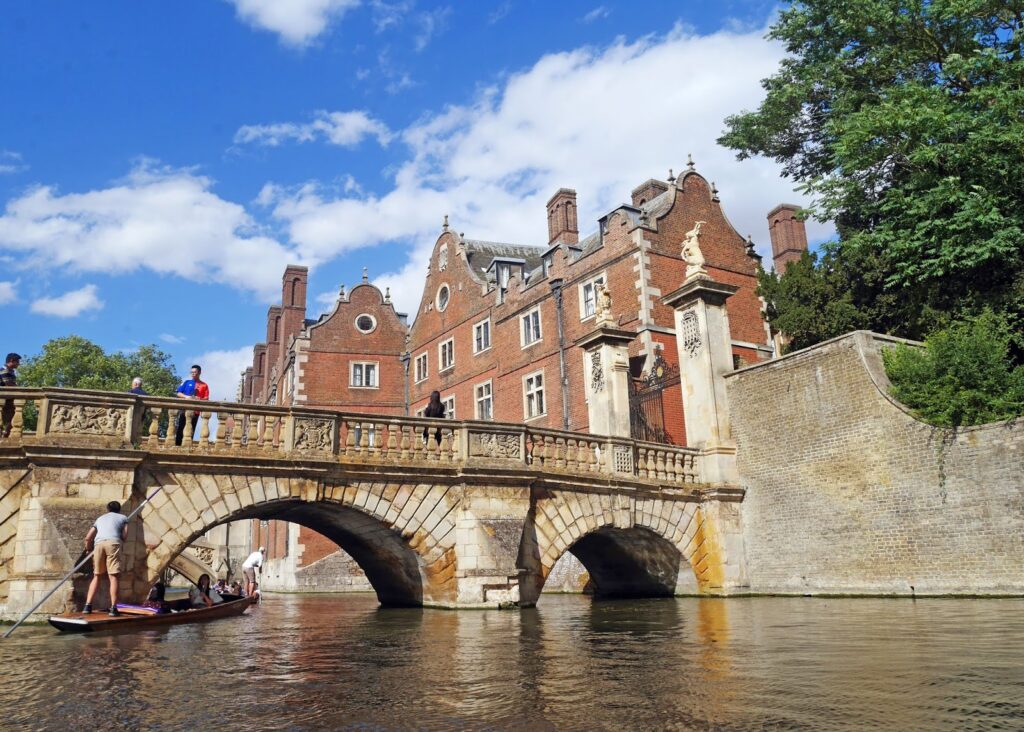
x=340, y=662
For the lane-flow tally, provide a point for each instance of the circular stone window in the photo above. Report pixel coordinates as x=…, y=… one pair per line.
x=366, y=323
x=443, y=295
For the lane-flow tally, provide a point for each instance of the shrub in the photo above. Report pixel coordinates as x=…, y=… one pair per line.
x=963, y=376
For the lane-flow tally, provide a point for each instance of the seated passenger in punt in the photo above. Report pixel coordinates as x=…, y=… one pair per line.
x=156, y=600
x=202, y=595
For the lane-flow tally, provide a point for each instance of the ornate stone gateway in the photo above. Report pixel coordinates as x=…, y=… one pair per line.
x=647, y=404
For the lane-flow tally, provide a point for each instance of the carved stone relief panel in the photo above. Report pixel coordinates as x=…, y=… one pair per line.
x=690, y=332
x=494, y=445
x=596, y=371
x=313, y=435
x=85, y=420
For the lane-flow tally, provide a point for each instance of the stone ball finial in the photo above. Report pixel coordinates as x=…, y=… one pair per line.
x=714, y=191
x=671, y=176
x=366, y=275
x=341, y=291
x=387, y=294
x=444, y=226
x=689, y=162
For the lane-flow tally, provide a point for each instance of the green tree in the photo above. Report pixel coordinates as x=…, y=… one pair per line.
x=76, y=363
x=904, y=119
x=963, y=375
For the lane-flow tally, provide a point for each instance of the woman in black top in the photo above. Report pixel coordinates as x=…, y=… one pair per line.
x=435, y=410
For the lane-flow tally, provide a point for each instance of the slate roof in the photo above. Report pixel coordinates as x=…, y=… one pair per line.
x=481, y=253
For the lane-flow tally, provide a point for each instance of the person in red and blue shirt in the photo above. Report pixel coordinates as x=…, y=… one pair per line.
x=194, y=388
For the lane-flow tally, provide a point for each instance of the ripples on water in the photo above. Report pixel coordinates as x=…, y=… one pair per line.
x=339, y=662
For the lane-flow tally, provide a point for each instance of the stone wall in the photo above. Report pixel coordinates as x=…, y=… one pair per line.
x=849, y=493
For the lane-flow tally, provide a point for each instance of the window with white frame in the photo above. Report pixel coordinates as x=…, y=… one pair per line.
x=533, y=395
x=449, y=407
x=484, y=401
x=363, y=374
x=421, y=367
x=530, y=327
x=589, y=291
x=482, y=336
x=446, y=354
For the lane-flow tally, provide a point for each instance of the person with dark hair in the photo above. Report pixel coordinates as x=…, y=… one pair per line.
x=156, y=597
x=435, y=410
x=105, y=539
x=202, y=595
x=8, y=378
x=194, y=388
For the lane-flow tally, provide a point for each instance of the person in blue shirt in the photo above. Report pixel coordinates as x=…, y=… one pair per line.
x=194, y=388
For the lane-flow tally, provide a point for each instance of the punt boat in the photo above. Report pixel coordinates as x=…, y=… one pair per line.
x=134, y=617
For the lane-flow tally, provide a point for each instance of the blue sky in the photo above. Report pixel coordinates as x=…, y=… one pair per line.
x=160, y=163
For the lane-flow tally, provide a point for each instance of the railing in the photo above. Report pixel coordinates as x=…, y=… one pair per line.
x=298, y=433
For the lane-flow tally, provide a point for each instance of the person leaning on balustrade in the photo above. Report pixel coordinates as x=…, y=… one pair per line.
x=9, y=379
x=194, y=388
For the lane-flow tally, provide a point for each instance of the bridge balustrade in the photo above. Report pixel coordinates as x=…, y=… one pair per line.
x=66, y=416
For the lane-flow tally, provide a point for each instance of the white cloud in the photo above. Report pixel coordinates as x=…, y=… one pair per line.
x=172, y=339
x=11, y=162
x=164, y=220
x=346, y=129
x=70, y=304
x=8, y=292
x=222, y=370
x=596, y=14
x=431, y=24
x=597, y=120
x=297, y=22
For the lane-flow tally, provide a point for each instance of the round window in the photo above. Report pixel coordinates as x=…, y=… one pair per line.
x=443, y=295
x=366, y=323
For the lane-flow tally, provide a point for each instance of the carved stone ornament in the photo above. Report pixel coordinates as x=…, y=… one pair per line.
x=596, y=372
x=690, y=333
x=494, y=445
x=80, y=419
x=313, y=435
x=692, y=254
x=603, y=305
x=204, y=554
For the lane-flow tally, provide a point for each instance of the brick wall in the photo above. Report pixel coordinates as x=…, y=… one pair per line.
x=848, y=493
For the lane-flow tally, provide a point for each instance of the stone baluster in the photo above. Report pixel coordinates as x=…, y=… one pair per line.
x=254, y=432
x=153, y=433
x=268, y=433
x=595, y=455
x=222, y=431
x=364, y=437
x=570, y=456
x=189, y=432
x=641, y=462
x=379, y=444
x=406, y=442
x=204, y=428
x=445, y=448
x=17, y=420
x=392, y=449
x=169, y=432
x=418, y=444
x=604, y=458
x=236, y=430
x=560, y=453
x=659, y=464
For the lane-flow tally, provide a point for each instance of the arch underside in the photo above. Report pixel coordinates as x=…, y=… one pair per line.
x=632, y=562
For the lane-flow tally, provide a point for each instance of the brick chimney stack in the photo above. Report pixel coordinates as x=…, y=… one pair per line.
x=789, y=236
x=562, y=217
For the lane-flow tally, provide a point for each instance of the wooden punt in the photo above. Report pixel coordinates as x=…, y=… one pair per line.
x=129, y=620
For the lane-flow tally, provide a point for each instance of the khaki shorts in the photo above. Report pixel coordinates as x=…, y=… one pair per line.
x=250, y=574
x=107, y=559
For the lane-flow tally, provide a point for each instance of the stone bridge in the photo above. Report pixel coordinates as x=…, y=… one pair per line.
x=476, y=520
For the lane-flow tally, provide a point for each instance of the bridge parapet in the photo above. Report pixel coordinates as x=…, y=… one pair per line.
x=72, y=416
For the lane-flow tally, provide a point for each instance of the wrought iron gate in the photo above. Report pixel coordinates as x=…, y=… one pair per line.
x=646, y=401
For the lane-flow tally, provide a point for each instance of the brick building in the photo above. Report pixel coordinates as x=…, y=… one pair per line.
x=497, y=325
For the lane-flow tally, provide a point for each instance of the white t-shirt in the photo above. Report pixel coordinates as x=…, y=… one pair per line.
x=255, y=560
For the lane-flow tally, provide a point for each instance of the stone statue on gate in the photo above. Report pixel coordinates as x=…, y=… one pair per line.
x=692, y=254
x=604, y=306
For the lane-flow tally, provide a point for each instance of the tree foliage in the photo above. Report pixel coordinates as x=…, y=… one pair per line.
x=904, y=119
x=963, y=375
x=76, y=363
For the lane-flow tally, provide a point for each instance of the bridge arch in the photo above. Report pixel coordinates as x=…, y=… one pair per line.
x=401, y=535
x=631, y=546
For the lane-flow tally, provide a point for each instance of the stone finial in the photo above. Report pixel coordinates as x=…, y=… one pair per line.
x=714, y=192
x=341, y=291
x=603, y=306
x=689, y=162
x=671, y=176
x=692, y=254
x=366, y=275
x=444, y=226
x=387, y=295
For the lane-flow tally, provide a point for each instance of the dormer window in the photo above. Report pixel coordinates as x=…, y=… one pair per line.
x=504, y=273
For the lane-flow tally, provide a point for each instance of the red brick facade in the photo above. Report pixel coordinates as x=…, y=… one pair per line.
x=635, y=251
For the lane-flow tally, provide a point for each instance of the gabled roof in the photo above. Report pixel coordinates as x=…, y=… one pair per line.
x=480, y=254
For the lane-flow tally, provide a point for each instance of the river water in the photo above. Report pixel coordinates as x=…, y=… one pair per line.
x=339, y=662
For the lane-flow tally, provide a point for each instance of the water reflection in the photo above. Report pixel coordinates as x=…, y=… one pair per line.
x=316, y=662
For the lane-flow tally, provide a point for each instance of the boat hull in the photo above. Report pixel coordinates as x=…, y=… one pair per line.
x=101, y=621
